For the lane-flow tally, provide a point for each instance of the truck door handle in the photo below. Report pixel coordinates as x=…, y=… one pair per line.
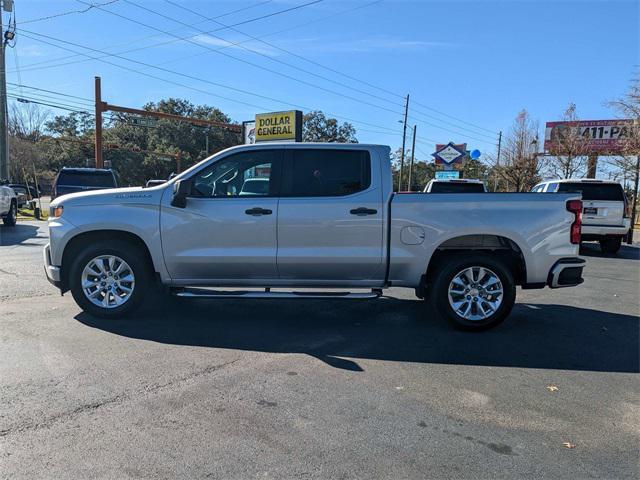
x=257, y=211
x=363, y=211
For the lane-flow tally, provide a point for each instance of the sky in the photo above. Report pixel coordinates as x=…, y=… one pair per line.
x=469, y=67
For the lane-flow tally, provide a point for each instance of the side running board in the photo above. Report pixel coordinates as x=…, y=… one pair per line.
x=267, y=293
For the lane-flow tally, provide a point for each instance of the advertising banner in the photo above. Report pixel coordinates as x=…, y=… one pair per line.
x=602, y=137
x=280, y=126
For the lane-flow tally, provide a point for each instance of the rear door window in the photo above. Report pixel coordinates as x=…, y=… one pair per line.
x=595, y=191
x=86, y=179
x=326, y=172
x=453, y=187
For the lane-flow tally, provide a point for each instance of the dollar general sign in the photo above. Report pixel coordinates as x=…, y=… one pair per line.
x=279, y=126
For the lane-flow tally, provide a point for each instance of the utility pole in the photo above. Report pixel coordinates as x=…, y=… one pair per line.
x=404, y=138
x=413, y=151
x=634, y=205
x=495, y=177
x=4, y=134
x=99, y=109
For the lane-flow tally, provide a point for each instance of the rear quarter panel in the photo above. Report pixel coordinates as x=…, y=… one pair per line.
x=538, y=224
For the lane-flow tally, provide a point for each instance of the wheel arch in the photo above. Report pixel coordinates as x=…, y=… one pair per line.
x=76, y=243
x=498, y=246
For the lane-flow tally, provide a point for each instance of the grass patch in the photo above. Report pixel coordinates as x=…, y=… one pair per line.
x=28, y=214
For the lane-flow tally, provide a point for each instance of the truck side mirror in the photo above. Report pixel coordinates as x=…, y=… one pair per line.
x=181, y=189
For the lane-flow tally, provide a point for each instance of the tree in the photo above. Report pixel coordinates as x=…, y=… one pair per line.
x=316, y=127
x=629, y=160
x=519, y=165
x=569, y=149
x=26, y=126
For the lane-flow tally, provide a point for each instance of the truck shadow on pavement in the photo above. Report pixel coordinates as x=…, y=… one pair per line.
x=340, y=332
x=18, y=234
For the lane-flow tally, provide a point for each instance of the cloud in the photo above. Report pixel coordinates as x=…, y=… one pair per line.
x=366, y=45
x=242, y=44
x=30, y=51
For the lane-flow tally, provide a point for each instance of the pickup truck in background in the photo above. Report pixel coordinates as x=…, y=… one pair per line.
x=76, y=179
x=8, y=205
x=455, y=185
x=325, y=218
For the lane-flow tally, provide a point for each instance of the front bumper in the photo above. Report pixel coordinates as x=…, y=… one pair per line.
x=566, y=272
x=53, y=272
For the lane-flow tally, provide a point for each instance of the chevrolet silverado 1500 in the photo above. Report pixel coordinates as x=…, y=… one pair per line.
x=324, y=218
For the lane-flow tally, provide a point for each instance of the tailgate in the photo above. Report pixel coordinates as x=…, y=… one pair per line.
x=602, y=212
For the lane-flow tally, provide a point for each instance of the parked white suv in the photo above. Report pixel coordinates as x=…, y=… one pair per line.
x=455, y=185
x=8, y=205
x=604, y=214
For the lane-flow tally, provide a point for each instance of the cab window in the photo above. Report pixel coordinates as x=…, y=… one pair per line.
x=326, y=172
x=251, y=173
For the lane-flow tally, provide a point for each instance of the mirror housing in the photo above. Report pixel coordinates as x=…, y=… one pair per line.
x=181, y=190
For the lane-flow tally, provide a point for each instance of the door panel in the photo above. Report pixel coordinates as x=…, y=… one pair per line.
x=213, y=238
x=320, y=239
x=227, y=232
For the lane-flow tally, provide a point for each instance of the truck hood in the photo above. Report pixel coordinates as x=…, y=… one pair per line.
x=112, y=196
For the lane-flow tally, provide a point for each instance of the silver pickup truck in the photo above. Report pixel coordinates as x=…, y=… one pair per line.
x=321, y=217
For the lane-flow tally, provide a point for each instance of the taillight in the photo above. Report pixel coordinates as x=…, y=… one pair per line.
x=575, y=207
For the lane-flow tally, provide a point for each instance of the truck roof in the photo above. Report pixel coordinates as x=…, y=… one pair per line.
x=580, y=180
x=457, y=180
x=86, y=170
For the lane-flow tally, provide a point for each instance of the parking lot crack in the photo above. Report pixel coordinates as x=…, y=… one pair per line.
x=90, y=407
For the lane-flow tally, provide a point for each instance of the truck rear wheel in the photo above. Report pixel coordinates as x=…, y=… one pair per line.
x=474, y=291
x=109, y=279
x=610, y=244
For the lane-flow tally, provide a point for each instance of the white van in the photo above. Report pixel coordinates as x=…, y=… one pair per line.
x=604, y=214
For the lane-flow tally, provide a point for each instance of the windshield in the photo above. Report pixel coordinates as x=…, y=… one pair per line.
x=86, y=179
x=595, y=191
x=453, y=187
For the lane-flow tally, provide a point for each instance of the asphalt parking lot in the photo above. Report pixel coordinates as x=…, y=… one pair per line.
x=318, y=389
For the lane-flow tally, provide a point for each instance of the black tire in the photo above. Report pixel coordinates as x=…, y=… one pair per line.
x=133, y=255
x=610, y=244
x=454, y=265
x=12, y=217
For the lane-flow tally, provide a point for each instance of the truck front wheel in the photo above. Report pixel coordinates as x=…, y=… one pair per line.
x=109, y=279
x=474, y=291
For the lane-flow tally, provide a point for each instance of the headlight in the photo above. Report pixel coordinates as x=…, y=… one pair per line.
x=56, y=212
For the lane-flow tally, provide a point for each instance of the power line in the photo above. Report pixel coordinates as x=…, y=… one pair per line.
x=181, y=74
x=333, y=70
x=46, y=97
x=56, y=15
x=49, y=91
x=255, y=19
x=276, y=72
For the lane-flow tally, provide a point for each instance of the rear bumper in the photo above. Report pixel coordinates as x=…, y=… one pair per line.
x=566, y=272
x=52, y=271
x=605, y=230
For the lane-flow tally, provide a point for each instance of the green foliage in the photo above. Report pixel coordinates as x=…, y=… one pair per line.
x=134, y=151
x=317, y=127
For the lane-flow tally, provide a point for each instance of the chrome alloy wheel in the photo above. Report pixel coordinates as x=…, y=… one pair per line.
x=108, y=281
x=475, y=293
